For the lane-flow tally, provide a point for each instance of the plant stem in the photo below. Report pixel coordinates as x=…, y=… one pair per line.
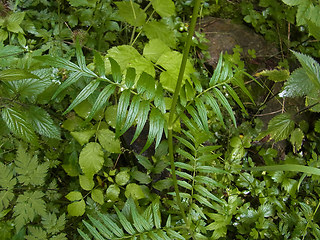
x=174, y=103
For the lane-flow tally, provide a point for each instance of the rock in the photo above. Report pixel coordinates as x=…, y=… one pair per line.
x=223, y=35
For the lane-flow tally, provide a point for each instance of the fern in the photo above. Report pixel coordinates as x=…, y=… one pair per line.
x=131, y=224
x=138, y=100
x=24, y=200
x=213, y=97
x=197, y=171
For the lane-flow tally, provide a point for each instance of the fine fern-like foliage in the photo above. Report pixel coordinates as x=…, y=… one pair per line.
x=130, y=223
x=23, y=200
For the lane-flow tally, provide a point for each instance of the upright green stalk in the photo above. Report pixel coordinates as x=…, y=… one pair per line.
x=174, y=103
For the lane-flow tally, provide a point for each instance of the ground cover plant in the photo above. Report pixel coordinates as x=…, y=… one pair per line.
x=113, y=127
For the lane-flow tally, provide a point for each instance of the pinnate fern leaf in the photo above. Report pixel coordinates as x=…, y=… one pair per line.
x=132, y=225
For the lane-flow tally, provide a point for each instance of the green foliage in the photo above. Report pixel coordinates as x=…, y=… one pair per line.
x=92, y=75
x=130, y=222
x=25, y=200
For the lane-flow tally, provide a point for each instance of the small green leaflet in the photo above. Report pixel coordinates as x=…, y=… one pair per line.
x=130, y=77
x=225, y=103
x=214, y=105
x=155, y=129
x=77, y=207
x=108, y=141
x=84, y=94
x=102, y=100
x=123, y=104
x=59, y=62
x=99, y=64
x=91, y=158
x=116, y=71
x=296, y=139
x=13, y=22
x=74, y=76
x=132, y=114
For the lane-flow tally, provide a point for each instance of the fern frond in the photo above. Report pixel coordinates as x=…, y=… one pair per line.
x=133, y=226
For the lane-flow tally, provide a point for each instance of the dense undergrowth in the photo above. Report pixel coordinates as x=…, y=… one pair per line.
x=112, y=126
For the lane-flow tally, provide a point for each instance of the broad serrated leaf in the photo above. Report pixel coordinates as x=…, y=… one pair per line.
x=91, y=158
x=127, y=56
x=123, y=104
x=132, y=114
x=16, y=74
x=156, y=125
x=102, y=100
x=74, y=76
x=131, y=13
x=154, y=49
x=293, y=2
x=171, y=62
x=141, y=121
x=311, y=67
x=42, y=122
x=130, y=77
x=202, y=111
x=280, y=126
x=97, y=196
x=18, y=123
x=108, y=141
x=165, y=8
x=298, y=84
x=225, y=103
x=116, y=71
x=86, y=182
x=160, y=30
x=214, y=105
x=83, y=95
x=235, y=97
